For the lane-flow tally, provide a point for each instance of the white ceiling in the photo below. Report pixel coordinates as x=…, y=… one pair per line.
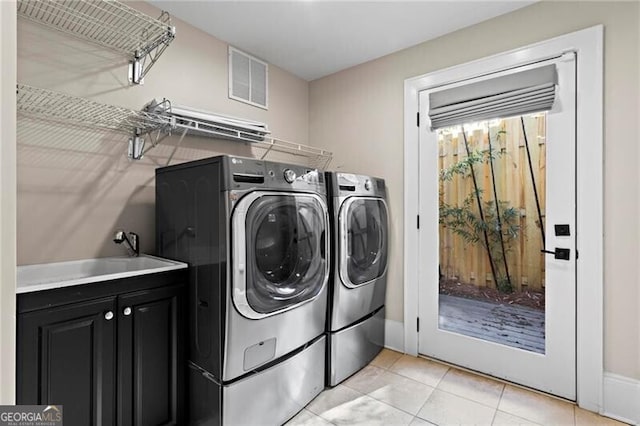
x=315, y=38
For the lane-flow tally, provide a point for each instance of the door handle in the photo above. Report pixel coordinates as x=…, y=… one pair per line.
x=559, y=253
x=323, y=242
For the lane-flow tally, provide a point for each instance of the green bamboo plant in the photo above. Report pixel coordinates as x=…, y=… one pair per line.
x=464, y=219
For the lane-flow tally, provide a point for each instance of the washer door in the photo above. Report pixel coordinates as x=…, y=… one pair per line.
x=279, y=247
x=363, y=240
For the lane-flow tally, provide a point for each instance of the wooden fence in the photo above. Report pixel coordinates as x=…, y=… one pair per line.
x=469, y=262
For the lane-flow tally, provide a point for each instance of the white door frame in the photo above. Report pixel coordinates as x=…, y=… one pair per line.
x=588, y=44
x=8, y=165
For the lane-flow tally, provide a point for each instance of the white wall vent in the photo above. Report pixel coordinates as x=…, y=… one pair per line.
x=248, y=78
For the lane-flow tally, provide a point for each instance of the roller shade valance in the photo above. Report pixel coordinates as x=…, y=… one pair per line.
x=519, y=93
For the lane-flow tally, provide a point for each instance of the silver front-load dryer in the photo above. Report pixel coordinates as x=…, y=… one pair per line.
x=361, y=240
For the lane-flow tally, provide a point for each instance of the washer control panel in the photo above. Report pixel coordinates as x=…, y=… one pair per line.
x=293, y=177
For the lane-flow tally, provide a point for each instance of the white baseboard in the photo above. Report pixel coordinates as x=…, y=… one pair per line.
x=394, y=335
x=621, y=398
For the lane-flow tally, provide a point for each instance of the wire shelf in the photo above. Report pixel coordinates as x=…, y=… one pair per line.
x=198, y=126
x=63, y=108
x=320, y=157
x=66, y=109
x=108, y=23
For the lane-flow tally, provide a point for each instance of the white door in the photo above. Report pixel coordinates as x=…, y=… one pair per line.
x=464, y=318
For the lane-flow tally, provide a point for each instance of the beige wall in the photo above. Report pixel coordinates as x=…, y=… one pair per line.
x=7, y=203
x=76, y=186
x=358, y=114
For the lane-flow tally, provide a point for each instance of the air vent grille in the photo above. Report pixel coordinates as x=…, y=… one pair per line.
x=248, y=78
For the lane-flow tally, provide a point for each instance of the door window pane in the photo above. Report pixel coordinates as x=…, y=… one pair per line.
x=491, y=210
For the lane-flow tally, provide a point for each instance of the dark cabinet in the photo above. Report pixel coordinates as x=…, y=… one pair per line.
x=149, y=359
x=116, y=359
x=67, y=356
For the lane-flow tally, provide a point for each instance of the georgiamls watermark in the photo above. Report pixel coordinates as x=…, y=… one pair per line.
x=30, y=415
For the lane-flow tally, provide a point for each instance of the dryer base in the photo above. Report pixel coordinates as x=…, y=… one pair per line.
x=354, y=347
x=268, y=397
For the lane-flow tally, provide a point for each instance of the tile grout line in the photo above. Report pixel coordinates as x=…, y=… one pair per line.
x=468, y=399
x=496, y=379
x=318, y=415
x=422, y=406
x=386, y=403
x=449, y=368
x=369, y=396
x=495, y=414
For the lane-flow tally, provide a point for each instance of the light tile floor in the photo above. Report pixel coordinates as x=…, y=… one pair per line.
x=396, y=389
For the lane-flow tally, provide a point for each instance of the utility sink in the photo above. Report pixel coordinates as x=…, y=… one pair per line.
x=64, y=274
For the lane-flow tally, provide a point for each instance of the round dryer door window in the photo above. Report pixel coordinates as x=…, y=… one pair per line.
x=364, y=236
x=285, y=241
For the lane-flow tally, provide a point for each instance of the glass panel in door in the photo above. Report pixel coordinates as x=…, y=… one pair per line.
x=492, y=193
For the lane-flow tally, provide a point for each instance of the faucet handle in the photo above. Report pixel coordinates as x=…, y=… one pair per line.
x=135, y=242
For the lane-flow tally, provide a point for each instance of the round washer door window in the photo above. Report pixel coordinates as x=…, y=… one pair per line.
x=285, y=251
x=364, y=228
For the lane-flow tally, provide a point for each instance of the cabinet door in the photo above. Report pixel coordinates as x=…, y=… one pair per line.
x=66, y=355
x=150, y=357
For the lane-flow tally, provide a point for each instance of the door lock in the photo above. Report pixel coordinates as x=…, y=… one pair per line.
x=559, y=253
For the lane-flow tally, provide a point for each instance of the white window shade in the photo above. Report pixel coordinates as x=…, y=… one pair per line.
x=519, y=93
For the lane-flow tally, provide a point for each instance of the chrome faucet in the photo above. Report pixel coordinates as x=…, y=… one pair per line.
x=131, y=242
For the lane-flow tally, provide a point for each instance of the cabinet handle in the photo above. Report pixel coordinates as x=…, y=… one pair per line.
x=108, y=316
x=127, y=311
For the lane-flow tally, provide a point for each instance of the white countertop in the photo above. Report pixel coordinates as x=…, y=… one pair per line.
x=48, y=276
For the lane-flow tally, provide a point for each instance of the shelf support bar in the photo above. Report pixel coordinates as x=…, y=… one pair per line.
x=175, y=148
x=136, y=146
x=138, y=67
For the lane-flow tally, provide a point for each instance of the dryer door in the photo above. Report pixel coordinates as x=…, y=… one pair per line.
x=363, y=240
x=280, y=251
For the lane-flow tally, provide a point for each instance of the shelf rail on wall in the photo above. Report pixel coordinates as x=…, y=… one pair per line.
x=158, y=121
x=111, y=24
x=201, y=123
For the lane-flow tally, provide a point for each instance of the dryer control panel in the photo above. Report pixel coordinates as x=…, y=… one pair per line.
x=346, y=184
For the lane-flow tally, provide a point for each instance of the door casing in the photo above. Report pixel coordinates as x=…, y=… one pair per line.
x=588, y=45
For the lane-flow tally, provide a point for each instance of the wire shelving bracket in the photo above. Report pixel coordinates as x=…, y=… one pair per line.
x=111, y=24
